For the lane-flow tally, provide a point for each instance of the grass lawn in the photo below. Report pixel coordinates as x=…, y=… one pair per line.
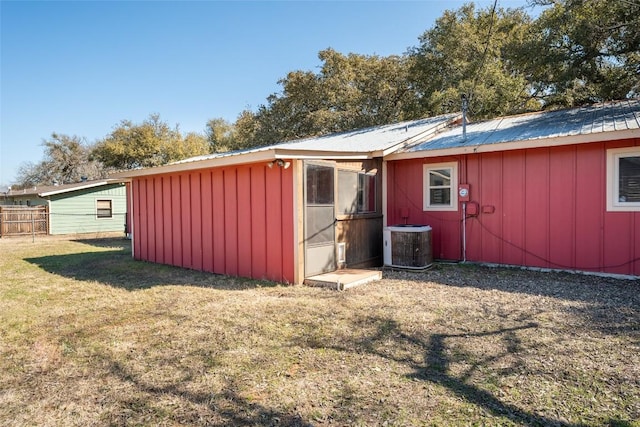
x=90, y=337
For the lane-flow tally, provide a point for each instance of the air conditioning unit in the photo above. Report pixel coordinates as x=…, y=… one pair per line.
x=407, y=246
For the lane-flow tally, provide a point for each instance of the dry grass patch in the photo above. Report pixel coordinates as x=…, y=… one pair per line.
x=90, y=337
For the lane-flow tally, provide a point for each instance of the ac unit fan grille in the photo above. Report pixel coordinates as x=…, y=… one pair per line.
x=411, y=249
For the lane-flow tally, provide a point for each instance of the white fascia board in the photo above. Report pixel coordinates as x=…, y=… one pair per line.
x=519, y=145
x=241, y=159
x=424, y=135
x=231, y=160
x=277, y=153
x=80, y=187
x=326, y=155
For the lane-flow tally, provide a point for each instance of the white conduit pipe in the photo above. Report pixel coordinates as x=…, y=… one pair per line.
x=464, y=232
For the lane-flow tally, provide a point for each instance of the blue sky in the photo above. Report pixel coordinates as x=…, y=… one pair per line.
x=79, y=68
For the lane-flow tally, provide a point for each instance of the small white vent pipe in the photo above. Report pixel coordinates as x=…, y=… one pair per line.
x=465, y=106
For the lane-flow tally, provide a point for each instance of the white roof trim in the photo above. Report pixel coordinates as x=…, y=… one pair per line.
x=246, y=158
x=325, y=155
x=224, y=160
x=519, y=145
x=80, y=187
x=424, y=135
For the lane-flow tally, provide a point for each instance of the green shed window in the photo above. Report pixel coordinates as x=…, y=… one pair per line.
x=103, y=209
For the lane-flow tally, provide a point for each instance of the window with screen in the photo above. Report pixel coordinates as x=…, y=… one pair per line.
x=319, y=185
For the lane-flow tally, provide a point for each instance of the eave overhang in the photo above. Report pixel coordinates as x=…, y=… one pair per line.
x=246, y=158
x=268, y=154
x=80, y=187
x=517, y=145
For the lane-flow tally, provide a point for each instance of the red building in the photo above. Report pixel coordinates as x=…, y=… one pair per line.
x=283, y=212
x=557, y=190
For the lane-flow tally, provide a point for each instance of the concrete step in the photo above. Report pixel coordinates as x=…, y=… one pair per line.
x=343, y=279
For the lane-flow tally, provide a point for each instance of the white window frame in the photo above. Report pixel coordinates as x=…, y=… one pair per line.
x=104, y=218
x=613, y=180
x=453, y=205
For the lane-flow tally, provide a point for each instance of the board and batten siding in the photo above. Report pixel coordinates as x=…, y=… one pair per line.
x=538, y=207
x=75, y=212
x=237, y=221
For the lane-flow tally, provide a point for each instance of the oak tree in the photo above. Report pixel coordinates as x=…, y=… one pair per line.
x=150, y=143
x=468, y=52
x=350, y=91
x=66, y=160
x=583, y=51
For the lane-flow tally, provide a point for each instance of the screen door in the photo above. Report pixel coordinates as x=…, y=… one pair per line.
x=319, y=220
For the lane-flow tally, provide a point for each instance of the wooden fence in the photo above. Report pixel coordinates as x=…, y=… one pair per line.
x=23, y=220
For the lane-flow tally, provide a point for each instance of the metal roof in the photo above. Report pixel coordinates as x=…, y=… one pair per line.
x=440, y=135
x=371, y=139
x=581, y=123
x=368, y=140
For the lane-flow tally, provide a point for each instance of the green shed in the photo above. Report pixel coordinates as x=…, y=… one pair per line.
x=84, y=207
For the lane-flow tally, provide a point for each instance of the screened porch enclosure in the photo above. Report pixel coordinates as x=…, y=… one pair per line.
x=342, y=215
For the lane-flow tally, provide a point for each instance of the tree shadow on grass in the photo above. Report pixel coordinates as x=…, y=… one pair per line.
x=109, y=261
x=224, y=407
x=121, y=243
x=436, y=355
x=436, y=370
x=561, y=285
x=608, y=304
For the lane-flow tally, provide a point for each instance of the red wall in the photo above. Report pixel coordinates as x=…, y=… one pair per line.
x=127, y=187
x=233, y=220
x=550, y=209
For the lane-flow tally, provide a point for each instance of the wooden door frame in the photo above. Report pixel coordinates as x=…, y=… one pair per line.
x=322, y=163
